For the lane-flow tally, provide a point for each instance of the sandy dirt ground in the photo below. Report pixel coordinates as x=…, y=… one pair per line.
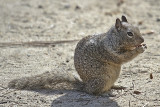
x=58, y=20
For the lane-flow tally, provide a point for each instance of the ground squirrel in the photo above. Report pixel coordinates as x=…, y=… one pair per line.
x=98, y=59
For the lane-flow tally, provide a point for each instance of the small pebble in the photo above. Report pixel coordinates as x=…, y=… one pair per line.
x=137, y=92
x=77, y=7
x=140, y=22
x=158, y=19
x=151, y=76
x=40, y=6
x=67, y=6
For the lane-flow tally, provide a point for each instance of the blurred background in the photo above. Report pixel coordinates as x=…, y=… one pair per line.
x=27, y=20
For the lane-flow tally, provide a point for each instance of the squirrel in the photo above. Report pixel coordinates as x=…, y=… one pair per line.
x=97, y=59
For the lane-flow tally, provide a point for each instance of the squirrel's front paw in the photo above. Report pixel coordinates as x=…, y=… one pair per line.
x=141, y=48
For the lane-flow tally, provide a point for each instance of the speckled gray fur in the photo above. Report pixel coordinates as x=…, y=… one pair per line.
x=98, y=58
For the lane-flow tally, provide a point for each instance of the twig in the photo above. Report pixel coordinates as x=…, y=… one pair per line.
x=35, y=43
x=50, y=27
x=146, y=104
x=129, y=103
x=3, y=87
x=133, y=84
x=3, y=102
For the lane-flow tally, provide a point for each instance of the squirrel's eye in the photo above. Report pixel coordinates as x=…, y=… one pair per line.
x=130, y=34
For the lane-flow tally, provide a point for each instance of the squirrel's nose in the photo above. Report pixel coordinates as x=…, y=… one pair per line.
x=142, y=39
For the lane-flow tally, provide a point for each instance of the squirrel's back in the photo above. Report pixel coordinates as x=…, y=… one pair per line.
x=89, y=58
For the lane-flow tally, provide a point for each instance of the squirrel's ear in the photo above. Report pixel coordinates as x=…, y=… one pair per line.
x=118, y=24
x=124, y=19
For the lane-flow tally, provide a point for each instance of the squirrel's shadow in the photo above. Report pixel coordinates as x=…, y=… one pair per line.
x=72, y=98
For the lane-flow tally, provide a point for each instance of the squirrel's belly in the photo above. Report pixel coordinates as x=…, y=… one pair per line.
x=113, y=71
x=88, y=68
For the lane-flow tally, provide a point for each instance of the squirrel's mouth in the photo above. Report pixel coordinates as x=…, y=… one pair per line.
x=135, y=46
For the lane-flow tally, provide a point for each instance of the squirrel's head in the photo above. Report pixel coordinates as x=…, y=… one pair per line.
x=130, y=36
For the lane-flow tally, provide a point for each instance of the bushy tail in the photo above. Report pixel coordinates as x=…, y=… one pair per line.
x=52, y=80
